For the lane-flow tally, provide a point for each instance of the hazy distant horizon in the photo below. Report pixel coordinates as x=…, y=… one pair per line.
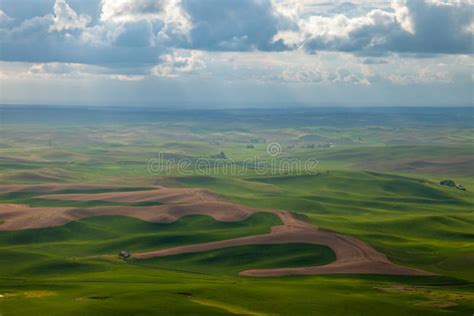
x=238, y=107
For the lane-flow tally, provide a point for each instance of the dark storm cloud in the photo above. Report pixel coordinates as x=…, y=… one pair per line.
x=233, y=25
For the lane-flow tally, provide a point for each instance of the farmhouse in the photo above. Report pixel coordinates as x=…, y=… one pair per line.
x=453, y=184
x=124, y=255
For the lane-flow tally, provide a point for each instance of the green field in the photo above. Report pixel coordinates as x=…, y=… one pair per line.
x=235, y=259
x=379, y=183
x=415, y=223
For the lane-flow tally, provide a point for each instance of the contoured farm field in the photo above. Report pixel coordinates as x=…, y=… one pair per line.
x=198, y=237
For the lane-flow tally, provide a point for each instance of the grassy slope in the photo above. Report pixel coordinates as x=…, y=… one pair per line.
x=67, y=265
x=131, y=290
x=414, y=222
x=235, y=259
x=419, y=224
x=106, y=162
x=47, y=249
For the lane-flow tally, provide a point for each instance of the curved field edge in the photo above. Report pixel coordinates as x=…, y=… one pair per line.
x=353, y=256
x=235, y=259
x=45, y=250
x=413, y=220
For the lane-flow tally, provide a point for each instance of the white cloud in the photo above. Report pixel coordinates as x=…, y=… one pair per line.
x=422, y=77
x=335, y=68
x=127, y=77
x=297, y=76
x=179, y=62
x=410, y=26
x=167, y=12
x=59, y=69
x=139, y=31
x=237, y=40
x=65, y=18
x=4, y=19
x=176, y=18
x=132, y=10
x=403, y=16
x=27, y=71
x=323, y=76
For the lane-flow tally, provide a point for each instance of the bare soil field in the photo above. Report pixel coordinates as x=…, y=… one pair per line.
x=17, y=217
x=161, y=194
x=58, y=187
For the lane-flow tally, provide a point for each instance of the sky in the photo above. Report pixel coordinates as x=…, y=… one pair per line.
x=236, y=53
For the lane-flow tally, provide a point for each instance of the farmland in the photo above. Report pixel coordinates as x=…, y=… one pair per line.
x=114, y=180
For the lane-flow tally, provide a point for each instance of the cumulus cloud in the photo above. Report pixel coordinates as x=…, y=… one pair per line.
x=66, y=37
x=341, y=75
x=178, y=63
x=410, y=26
x=306, y=76
x=233, y=25
x=66, y=18
x=167, y=16
x=168, y=37
x=424, y=76
x=132, y=10
x=60, y=69
x=436, y=26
